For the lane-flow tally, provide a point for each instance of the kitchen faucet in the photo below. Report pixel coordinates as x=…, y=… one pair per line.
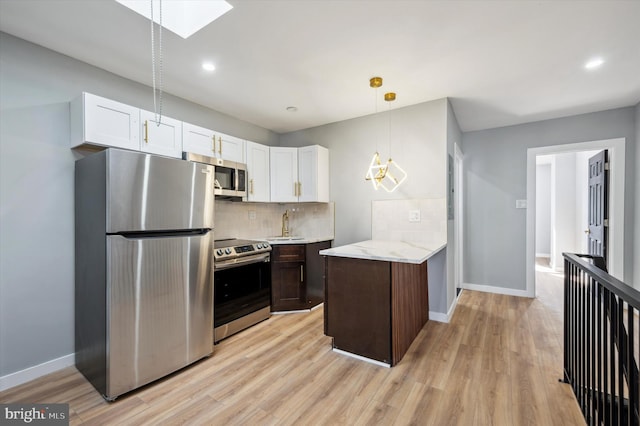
x=285, y=223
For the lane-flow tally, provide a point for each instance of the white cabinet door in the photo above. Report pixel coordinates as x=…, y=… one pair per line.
x=284, y=174
x=103, y=122
x=230, y=148
x=198, y=140
x=313, y=174
x=258, y=172
x=163, y=139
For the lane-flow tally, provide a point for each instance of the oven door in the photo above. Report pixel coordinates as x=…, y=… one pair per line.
x=242, y=286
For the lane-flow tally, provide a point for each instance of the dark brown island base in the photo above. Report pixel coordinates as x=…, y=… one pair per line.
x=376, y=297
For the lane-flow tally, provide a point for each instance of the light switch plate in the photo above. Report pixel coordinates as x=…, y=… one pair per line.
x=521, y=204
x=414, y=215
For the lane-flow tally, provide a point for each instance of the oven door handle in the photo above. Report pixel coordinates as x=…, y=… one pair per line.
x=232, y=263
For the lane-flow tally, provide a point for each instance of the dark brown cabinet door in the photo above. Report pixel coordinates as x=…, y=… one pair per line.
x=288, y=286
x=315, y=273
x=358, y=306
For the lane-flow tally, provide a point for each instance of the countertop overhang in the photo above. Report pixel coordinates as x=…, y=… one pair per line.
x=391, y=251
x=296, y=240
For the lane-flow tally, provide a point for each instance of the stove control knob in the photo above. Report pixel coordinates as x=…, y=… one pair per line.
x=259, y=246
x=227, y=251
x=265, y=245
x=219, y=252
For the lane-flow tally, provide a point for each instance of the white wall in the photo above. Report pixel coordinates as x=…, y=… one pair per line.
x=36, y=192
x=543, y=210
x=563, y=208
x=496, y=176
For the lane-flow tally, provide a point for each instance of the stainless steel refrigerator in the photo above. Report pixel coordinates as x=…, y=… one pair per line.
x=144, y=267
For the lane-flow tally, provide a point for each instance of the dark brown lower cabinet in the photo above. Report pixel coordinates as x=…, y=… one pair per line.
x=375, y=308
x=297, y=276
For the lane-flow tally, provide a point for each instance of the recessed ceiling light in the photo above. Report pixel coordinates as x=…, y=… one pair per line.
x=292, y=109
x=208, y=66
x=181, y=17
x=594, y=63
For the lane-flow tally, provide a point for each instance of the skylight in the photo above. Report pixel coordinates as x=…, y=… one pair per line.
x=181, y=17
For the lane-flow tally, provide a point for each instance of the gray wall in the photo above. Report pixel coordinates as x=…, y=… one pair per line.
x=418, y=144
x=495, y=167
x=36, y=190
x=636, y=245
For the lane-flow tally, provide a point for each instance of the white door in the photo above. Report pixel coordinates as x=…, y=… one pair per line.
x=164, y=138
x=258, y=172
x=284, y=174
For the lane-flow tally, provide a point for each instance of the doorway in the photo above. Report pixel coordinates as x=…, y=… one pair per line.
x=458, y=227
x=616, y=149
x=562, y=202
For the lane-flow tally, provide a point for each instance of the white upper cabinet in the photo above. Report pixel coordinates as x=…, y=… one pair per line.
x=230, y=148
x=313, y=174
x=257, y=156
x=284, y=174
x=299, y=174
x=198, y=140
x=103, y=122
x=164, y=138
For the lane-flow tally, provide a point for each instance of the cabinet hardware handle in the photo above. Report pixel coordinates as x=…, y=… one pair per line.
x=146, y=131
x=220, y=145
x=213, y=139
x=295, y=189
x=299, y=189
x=250, y=186
x=301, y=273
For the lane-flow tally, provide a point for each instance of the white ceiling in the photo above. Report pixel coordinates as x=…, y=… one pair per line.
x=500, y=62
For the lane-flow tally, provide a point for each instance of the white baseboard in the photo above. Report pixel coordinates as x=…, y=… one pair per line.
x=497, y=290
x=547, y=255
x=442, y=317
x=28, y=374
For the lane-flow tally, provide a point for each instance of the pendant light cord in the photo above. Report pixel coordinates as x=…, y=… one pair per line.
x=157, y=90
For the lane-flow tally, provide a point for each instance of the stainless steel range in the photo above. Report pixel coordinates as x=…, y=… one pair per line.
x=242, y=285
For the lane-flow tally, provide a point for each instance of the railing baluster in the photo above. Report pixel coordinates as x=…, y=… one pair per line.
x=621, y=351
x=633, y=381
x=612, y=355
x=592, y=346
x=605, y=349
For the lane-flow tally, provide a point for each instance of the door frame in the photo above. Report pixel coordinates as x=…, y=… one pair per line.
x=616, y=149
x=458, y=216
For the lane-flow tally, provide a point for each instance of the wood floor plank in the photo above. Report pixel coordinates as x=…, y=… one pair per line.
x=497, y=362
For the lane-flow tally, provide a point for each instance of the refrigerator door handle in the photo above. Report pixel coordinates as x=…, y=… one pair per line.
x=136, y=235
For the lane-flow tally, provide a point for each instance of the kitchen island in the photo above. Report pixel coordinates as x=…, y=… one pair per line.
x=376, y=297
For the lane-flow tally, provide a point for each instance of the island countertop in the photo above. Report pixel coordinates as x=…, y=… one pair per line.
x=392, y=251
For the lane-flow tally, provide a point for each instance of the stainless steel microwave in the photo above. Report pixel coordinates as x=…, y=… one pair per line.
x=230, y=176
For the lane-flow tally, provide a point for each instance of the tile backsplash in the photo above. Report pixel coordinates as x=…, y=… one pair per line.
x=414, y=220
x=263, y=220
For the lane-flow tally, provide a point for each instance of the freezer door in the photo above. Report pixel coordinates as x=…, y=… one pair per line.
x=152, y=193
x=160, y=307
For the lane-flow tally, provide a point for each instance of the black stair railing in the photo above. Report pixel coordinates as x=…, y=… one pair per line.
x=601, y=341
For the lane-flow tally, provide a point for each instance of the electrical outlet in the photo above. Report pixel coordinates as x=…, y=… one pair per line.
x=521, y=204
x=252, y=215
x=414, y=215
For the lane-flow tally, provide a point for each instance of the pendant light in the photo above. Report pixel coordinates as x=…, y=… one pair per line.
x=157, y=90
x=387, y=175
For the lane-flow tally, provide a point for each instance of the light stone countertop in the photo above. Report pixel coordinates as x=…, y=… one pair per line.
x=392, y=251
x=296, y=240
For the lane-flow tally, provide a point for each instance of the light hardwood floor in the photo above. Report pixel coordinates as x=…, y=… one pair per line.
x=497, y=363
